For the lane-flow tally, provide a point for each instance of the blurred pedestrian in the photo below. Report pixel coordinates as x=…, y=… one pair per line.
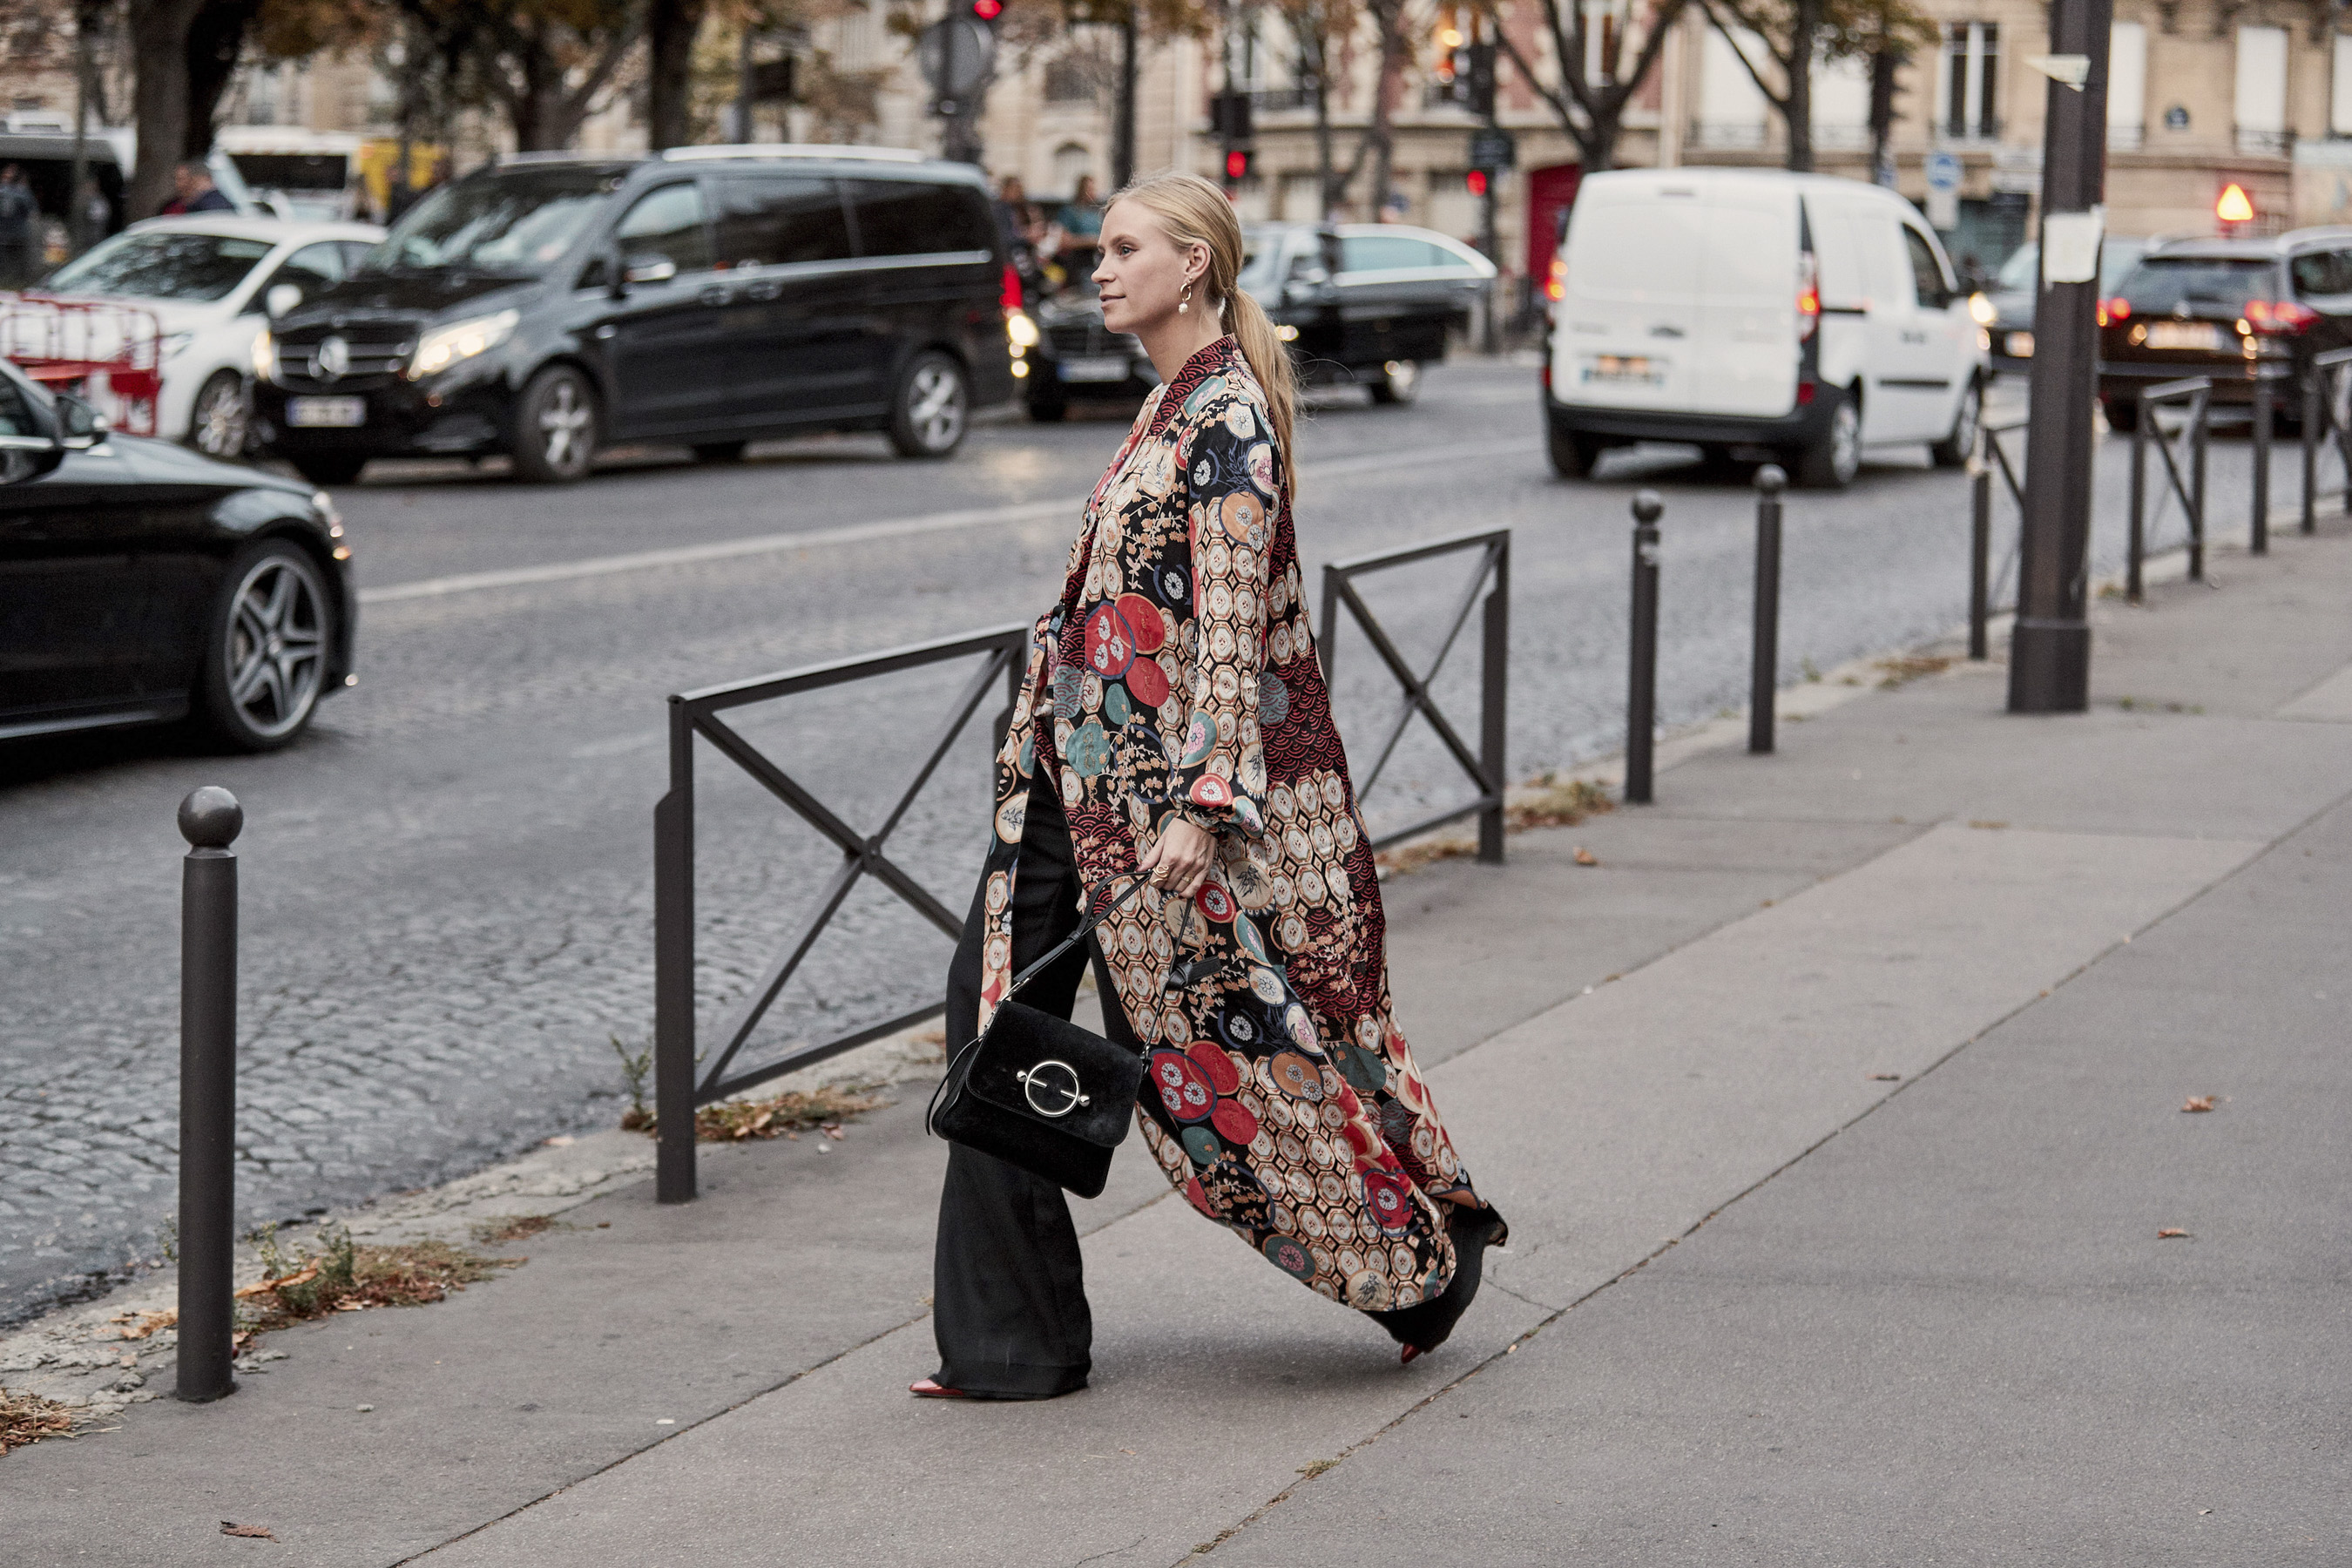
x=194, y=192
x=1017, y=221
x=1175, y=728
x=1076, y=228
x=20, y=230
x=93, y=215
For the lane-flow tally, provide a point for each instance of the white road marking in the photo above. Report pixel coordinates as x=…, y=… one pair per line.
x=1334, y=470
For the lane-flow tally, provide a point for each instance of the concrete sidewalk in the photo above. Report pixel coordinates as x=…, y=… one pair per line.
x=1836, y=1111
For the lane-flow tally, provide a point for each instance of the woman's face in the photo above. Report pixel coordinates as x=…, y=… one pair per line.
x=1142, y=273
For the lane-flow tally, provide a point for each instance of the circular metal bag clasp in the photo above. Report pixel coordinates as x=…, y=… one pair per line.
x=1051, y=1088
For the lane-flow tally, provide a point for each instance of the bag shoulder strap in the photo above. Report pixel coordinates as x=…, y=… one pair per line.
x=1085, y=929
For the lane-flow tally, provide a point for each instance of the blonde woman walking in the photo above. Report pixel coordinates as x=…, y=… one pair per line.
x=1175, y=725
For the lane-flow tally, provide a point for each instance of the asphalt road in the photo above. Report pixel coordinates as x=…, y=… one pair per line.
x=448, y=885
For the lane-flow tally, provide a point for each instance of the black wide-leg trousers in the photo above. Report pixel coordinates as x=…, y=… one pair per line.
x=1008, y=1293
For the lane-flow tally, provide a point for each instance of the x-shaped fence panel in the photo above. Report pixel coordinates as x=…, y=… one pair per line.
x=1003, y=657
x=1492, y=578
x=2327, y=422
x=2192, y=396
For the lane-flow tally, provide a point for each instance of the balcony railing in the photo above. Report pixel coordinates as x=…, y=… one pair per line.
x=1735, y=135
x=2266, y=144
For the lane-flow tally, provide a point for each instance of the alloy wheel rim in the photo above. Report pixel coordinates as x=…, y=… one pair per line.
x=1964, y=433
x=563, y=425
x=276, y=648
x=220, y=421
x=1845, y=443
x=936, y=409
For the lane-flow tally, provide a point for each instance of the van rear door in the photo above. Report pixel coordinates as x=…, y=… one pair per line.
x=1627, y=316
x=1745, y=350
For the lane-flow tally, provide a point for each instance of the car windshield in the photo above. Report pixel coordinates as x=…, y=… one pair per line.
x=2213, y=282
x=517, y=221
x=191, y=268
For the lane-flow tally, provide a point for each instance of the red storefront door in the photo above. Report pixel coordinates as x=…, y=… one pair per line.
x=1550, y=192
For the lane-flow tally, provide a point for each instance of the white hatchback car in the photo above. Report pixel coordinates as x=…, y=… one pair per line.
x=210, y=280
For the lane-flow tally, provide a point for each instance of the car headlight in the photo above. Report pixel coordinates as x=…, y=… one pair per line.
x=445, y=346
x=1021, y=329
x=1982, y=310
x=265, y=356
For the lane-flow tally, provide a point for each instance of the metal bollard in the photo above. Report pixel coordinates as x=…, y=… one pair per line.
x=1764, y=660
x=2136, y=546
x=210, y=819
x=2310, y=451
x=1980, y=558
x=1641, y=686
x=2260, y=543
x=2203, y=428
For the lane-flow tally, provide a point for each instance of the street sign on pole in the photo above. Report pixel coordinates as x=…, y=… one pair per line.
x=1493, y=148
x=957, y=55
x=1943, y=190
x=2049, y=650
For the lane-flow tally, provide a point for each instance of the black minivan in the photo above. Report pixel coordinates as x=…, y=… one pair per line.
x=553, y=303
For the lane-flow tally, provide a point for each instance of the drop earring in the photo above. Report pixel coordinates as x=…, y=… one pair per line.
x=1186, y=303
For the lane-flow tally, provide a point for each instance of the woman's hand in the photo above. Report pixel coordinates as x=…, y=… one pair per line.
x=1179, y=859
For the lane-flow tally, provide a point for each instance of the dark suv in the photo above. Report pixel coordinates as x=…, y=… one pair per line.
x=549, y=304
x=2219, y=308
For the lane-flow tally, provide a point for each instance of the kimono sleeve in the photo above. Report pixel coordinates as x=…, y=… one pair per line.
x=1232, y=481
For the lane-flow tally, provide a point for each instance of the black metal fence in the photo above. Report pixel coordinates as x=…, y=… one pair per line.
x=2192, y=398
x=1492, y=577
x=2327, y=424
x=1986, y=589
x=1002, y=656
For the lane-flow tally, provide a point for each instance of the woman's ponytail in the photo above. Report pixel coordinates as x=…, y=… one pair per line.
x=1195, y=211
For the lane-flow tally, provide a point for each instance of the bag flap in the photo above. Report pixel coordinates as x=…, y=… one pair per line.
x=1033, y=1065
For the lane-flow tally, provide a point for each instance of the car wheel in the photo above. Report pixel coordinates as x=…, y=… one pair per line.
x=1956, y=449
x=927, y=417
x=1832, y=460
x=555, y=428
x=2123, y=413
x=721, y=451
x=329, y=468
x=1572, y=456
x=265, y=647
x=1048, y=407
x=221, y=417
x=1400, y=383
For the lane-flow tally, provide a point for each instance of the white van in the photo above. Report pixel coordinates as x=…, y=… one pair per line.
x=1757, y=311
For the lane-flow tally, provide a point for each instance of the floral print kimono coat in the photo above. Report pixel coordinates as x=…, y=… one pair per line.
x=1177, y=677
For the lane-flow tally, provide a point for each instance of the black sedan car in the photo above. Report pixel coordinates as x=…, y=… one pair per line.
x=2220, y=308
x=1360, y=304
x=142, y=583
x=2006, y=311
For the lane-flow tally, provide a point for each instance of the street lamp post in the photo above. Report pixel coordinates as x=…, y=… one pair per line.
x=2050, y=650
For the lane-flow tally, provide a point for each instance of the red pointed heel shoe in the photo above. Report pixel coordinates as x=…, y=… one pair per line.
x=929, y=1388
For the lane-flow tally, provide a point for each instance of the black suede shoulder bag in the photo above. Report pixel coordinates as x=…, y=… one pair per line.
x=1040, y=1092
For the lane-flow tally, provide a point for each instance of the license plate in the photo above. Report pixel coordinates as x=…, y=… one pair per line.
x=1638, y=370
x=2020, y=345
x=1094, y=367
x=2183, y=335
x=328, y=413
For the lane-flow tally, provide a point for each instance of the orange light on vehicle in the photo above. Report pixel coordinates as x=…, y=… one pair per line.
x=1808, y=296
x=2284, y=316
x=2235, y=205
x=2116, y=309
x=1556, y=279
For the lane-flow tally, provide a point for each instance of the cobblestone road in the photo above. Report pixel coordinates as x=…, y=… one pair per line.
x=447, y=886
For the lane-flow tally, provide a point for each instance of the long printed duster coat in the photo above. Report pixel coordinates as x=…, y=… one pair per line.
x=1177, y=677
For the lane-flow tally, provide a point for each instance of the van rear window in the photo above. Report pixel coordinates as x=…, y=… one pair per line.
x=2201, y=282
x=1634, y=251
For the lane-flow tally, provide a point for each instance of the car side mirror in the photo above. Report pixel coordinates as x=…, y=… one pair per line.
x=79, y=427
x=281, y=299
x=648, y=270
x=28, y=456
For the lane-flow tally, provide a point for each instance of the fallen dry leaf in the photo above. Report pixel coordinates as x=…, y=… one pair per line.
x=139, y=1325
x=2171, y=1232
x=2198, y=1103
x=300, y=1276
x=1887, y=1077
x=1585, y=857
x=250, y=1532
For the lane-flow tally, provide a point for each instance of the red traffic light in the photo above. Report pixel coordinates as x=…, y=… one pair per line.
x=988, y=10
x=1477, y=182
x=1237, y=164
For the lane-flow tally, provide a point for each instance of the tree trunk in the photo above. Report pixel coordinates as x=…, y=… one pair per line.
x=671, y=27
x=1883, y=62
x=1122, y=131
x=1326, y=198
x=159, y=44
x=215, y=39
x=1396, y=52
x=1798, y=111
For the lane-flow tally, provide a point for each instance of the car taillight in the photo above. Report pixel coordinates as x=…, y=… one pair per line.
x=2284, y=316
x=1556, y=279
x=1009, y=295
x=2116, y=309
x=1808, y=296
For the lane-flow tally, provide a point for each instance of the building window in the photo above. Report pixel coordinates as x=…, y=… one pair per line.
x=1730, y=107
x=1070, y=79
x=1968, y=90
x=2128, y=86
x=2261, y=91
x=1602, y=20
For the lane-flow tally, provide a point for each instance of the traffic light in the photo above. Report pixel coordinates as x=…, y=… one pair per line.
x=1479, y=76
x=1237, y=164
x=1476, y=181
x=987, y=10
